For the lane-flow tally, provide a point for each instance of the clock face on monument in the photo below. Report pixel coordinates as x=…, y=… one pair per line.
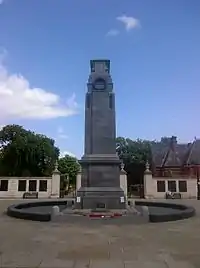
x=99, y=84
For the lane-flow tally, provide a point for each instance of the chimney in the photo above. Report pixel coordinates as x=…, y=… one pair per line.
x=173, y=143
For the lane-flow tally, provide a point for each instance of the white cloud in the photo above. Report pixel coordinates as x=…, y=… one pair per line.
x=129, y=22
x=61, y=133
x=62, y=154
x=19, y=100
x=112, y=32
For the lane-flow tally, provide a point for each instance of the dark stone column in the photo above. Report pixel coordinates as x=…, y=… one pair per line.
x=100, y=182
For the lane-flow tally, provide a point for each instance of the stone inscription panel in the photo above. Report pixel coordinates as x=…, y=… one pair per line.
x=104, y=176
x=103, y=124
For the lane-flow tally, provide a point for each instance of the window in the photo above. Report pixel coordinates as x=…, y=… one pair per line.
x=110, y=101
x=32, y=186
x=22, y=185
x=3, y=185
x=160, y=186
x=182, y=185
x=88, y=101
x=43, y=186
x=172, y=186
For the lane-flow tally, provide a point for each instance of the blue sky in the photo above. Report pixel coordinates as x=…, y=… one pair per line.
x=45, y=48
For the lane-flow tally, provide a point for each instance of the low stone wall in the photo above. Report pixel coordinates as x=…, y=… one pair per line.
x=13, y=187
x=13, y=184
x=178, y=211
x=167, y=212
x=150, y=186
x=23, y=210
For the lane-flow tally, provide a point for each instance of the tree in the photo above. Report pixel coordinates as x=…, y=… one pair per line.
x=25, y=153
x=137, y=152
x=69, y=167
x=134, y=155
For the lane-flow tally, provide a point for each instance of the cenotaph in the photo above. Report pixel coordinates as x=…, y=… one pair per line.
x=100, y=164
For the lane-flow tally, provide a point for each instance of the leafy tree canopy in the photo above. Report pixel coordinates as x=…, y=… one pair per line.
x=69, y=167
x=25, y=153
x=136, y=152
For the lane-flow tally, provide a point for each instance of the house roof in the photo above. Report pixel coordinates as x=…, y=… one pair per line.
x=194, y=154
x=158, y=151
x=172, y=154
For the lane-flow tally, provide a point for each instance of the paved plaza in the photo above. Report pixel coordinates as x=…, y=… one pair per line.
x=158, y=245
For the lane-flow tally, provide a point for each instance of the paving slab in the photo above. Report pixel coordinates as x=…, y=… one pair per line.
x=145, y=264
x=56, y=263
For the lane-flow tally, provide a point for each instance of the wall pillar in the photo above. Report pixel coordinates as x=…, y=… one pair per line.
x=37, y=185
x=27, y=185
x=148, y=182
x=78, y=180
x=12, y=187
x=123, y=181
x=55, y=183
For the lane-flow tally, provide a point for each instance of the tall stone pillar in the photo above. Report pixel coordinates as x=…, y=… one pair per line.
x=55, y=182
x=148, y=182
x=78, y=181
x=123, y=181
x=100, y=178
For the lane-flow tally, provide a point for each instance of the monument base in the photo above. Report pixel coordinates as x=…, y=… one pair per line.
x=100, y=198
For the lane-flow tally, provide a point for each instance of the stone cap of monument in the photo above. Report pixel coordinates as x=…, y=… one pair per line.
x=100, y=158
x=122, y=171
x=56, y=171
x=105, y=62
x=147, y=168
x=80, y=169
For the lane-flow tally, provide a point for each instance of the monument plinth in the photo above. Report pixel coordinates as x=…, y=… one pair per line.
x=100, y=165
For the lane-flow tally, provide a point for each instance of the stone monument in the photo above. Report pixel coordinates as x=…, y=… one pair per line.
x=100, y=164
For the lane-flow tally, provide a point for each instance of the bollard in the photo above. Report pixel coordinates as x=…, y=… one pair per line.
x=145, y=211
x=55, y=211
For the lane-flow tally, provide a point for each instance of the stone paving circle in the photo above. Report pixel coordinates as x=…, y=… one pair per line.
x=51, y=244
